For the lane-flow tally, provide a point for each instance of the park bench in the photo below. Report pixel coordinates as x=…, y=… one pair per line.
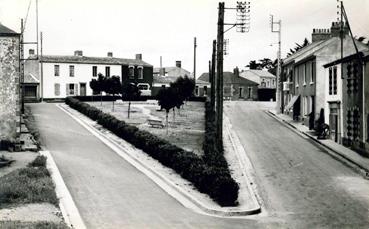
x=156, y=123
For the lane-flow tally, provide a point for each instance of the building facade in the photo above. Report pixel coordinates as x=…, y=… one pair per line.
x=236, y=87
x=349, y=114
x=304, y=77
x=266, y=81
x=9, y=84
x=63, y=76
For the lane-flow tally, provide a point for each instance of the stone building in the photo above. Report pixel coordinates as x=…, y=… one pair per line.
x=9, y=84
x=236, y=87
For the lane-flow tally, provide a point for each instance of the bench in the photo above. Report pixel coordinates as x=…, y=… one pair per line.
x=156, y=123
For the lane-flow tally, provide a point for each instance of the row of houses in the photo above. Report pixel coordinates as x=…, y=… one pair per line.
x=316, y=79
x=56, y=77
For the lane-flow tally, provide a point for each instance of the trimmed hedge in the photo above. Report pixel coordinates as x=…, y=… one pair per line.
x=206, y=177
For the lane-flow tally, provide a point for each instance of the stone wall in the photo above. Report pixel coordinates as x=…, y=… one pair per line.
x=9, y=88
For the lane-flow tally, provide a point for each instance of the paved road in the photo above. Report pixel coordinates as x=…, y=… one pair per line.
x=108, y=191
x=300, y=185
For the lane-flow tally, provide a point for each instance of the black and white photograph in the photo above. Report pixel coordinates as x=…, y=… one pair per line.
x=196, y=114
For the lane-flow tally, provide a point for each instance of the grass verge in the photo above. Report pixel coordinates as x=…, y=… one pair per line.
x=32, y=225
x=32, y=184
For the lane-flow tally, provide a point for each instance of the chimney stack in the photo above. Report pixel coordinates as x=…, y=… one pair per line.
x=138, y=56
x=31, y=52
x=78, y=53
x=110, y=54
x=178, y=64
x=236, y=72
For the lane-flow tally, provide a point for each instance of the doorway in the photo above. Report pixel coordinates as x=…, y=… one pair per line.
x=82, y=90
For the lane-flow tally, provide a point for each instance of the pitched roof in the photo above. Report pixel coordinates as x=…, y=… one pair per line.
x=164, y=79
x=255, y=75
x=318, y=48
x=92, y=60
x=5, y=31
x=229, y=78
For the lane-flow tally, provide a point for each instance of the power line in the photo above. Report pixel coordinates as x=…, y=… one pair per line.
x=25, y=21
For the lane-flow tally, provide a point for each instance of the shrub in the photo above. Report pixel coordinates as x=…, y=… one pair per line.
x=209, y=175
x=39, y=161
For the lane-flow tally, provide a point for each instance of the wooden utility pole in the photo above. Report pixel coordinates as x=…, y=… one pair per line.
x=194, y=59
x=220, y=39
x=41, y=70
x=212, y=77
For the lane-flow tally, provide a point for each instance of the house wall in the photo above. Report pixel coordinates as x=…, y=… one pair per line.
x=9, y=88
x=82, y=74
x=352, y=102
x=147, y=74
x=231, y=92
x=267, y=82
x=331, y=98
x=366, y=104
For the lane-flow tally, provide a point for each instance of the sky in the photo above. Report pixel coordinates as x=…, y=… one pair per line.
x=167, y=27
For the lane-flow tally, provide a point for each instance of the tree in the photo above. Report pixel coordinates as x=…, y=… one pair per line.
x=101, y=82
x=94, y=85
x=298, y=47
x=167, y=100
x=98, y=85
x=130, y=92
x=254, y=65
x=113, y=86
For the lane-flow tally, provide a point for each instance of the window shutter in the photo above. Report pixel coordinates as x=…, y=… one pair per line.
x=67, y=89
x=76, y=89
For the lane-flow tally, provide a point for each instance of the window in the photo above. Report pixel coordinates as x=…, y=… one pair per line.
x=107, y=71
x=205, y=90
x=94, y=71
x=273, y=83
x=140, y=72
x=71, y=89
x=333, y=80
x=71, y=70
x=250, y=92
x=56, y=70
x=197, y=90
x=268, y=83
x=312, y=72
x=131, y=72
x=227, y=91
x=57, y=89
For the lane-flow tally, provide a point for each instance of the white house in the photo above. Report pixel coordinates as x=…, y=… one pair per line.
x=62, y=76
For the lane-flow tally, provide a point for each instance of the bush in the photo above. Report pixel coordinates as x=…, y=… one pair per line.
x=209, y=176
x=40, y=161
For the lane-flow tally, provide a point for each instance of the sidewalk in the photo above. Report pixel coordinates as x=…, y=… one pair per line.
x=343, y=154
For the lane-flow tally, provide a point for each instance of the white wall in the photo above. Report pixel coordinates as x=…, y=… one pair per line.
x=82, y=74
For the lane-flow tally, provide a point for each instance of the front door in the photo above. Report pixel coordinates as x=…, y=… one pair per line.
x=82, y=89
x=241, y=92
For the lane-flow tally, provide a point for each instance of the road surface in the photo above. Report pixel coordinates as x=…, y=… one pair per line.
x=301, y=186
x=108, y=191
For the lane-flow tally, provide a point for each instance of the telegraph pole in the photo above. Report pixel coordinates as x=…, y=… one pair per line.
x=194, y=59
x=220, y=39
x=41, y=70
x=279, y=81
x=212, y=76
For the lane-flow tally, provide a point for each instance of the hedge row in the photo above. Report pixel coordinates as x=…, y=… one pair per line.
x=212, y=180
x=213, y=150
x=96, y=98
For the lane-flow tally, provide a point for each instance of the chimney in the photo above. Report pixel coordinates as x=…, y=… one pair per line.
x=78, y=53
x=178, y=64
x=31, y=52
x=320, y=35
x=336, y=29
x=236, y=72
x=110, y=54
x=138, y=56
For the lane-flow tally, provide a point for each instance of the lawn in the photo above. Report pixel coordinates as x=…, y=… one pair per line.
x=31, y=184
x=186, y=130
